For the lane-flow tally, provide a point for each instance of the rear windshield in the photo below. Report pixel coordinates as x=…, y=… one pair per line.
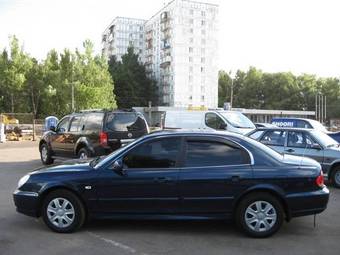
x=124, y=122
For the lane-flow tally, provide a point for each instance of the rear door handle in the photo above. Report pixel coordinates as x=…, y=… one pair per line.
x=163, y=179
x=290, y=150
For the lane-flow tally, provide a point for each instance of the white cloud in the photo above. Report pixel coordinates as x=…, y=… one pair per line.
x=281, y=35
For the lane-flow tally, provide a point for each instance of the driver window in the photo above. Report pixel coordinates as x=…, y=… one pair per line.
x=214, y=121
x=161, y=153
x=63, y=125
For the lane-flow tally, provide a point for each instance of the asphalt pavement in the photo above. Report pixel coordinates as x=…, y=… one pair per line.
x=20, y=234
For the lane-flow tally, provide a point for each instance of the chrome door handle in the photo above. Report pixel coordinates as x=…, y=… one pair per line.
x=290, y=150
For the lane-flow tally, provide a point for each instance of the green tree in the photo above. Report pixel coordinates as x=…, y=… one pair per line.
x=132, y=86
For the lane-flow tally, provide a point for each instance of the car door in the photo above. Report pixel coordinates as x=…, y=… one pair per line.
x=73, y=134
x=300, y=143
x=275, y=139
x=148, y=182
x=59, y=137
x=214, y=171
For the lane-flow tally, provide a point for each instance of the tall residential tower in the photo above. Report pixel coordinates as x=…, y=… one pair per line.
x=180, y=52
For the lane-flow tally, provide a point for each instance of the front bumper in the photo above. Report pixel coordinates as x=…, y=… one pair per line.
x=27, y=202
x=308, y=203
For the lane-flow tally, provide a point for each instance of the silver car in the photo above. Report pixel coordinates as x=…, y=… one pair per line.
x=310, y=143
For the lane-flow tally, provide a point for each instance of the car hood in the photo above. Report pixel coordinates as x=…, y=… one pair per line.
x=302, y=161
x=66, y=167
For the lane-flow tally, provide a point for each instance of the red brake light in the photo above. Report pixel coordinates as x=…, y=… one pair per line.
x=320, y=181
x=103, y=138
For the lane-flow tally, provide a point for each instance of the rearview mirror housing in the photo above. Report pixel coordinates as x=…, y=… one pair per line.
x=117, y=167
x=52, y=128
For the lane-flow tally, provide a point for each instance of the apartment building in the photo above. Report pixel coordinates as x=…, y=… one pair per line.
x=180, y=52
x=122, y=33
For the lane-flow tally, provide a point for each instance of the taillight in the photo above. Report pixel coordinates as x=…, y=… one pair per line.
x=320, y=181
x=103, y=138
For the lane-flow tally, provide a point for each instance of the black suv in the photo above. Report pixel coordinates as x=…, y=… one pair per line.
x=91, y=133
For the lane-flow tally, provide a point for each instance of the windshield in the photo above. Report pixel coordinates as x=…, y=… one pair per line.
x=237, y=119
x=98, y=162
x=264, y=148
x=323, y=138
x=318, y=126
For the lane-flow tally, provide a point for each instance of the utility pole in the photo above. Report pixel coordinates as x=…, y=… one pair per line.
x=72, y=95
x=231, y=90
x=316, y=106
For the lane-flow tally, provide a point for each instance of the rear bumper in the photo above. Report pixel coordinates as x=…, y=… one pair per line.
x=308, y=203
x=26, y=202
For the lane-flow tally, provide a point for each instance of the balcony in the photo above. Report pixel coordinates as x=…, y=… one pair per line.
x=165, y=61
x=165, y=26
x=165, y=17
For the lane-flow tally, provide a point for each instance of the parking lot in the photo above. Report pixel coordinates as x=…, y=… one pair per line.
x=22, y=234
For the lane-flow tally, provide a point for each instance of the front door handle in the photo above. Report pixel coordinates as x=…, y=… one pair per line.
x=163, y=179
x=290, y=150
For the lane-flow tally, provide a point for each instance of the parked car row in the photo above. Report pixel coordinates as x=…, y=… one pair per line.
x=226, y=169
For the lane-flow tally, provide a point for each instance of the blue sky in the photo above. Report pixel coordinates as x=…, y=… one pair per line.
x=273, y=35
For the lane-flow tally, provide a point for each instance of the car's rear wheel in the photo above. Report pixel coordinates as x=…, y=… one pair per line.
x=84, y=153
x=259, y=215
x=46, y=155
x=335, y=178
x=62, y=211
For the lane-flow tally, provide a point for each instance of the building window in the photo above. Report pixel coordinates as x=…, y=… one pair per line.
x=203, y=13
x=191, y=21
x=191, y=49
x=202, y=60
x=203, y=22
x=190, y=78
x=190, y=59
x=190, y=97
x=191, y=30
x=202, y=98
x=191, y=12
x=191, y=69
x=202, y=69
x=191, y=40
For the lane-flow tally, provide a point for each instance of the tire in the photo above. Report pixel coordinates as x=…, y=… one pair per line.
x=46, y=154
x=335, y=177
x=261, y=224
x=63, y=212
x=84, y=153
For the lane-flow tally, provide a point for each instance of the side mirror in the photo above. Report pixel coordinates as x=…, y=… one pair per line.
x=117, y=167
x=52, y=128
x=223, y=126
x=316, y=146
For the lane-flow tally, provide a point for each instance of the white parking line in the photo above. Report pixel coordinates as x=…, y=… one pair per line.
x=116, y=244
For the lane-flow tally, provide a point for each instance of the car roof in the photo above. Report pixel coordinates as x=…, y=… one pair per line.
x=194, y=132
x=283, y=128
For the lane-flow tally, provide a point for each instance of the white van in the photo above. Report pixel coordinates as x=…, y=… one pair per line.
x=232, y=121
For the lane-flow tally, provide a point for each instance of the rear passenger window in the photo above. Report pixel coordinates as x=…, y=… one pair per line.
x=211, y=153
x=303, y=124
x=94, y=122
x=274, y=137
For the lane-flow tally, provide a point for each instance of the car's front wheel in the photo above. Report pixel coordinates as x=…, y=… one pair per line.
x=259, y=215
x=62, y=211
x=46, y=155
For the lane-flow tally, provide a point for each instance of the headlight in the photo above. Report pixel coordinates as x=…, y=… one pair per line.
x=23, y=180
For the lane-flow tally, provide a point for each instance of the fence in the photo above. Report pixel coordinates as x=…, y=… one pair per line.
x=22, y=126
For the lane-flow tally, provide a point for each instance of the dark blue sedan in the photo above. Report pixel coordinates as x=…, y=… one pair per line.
x=179, y=175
